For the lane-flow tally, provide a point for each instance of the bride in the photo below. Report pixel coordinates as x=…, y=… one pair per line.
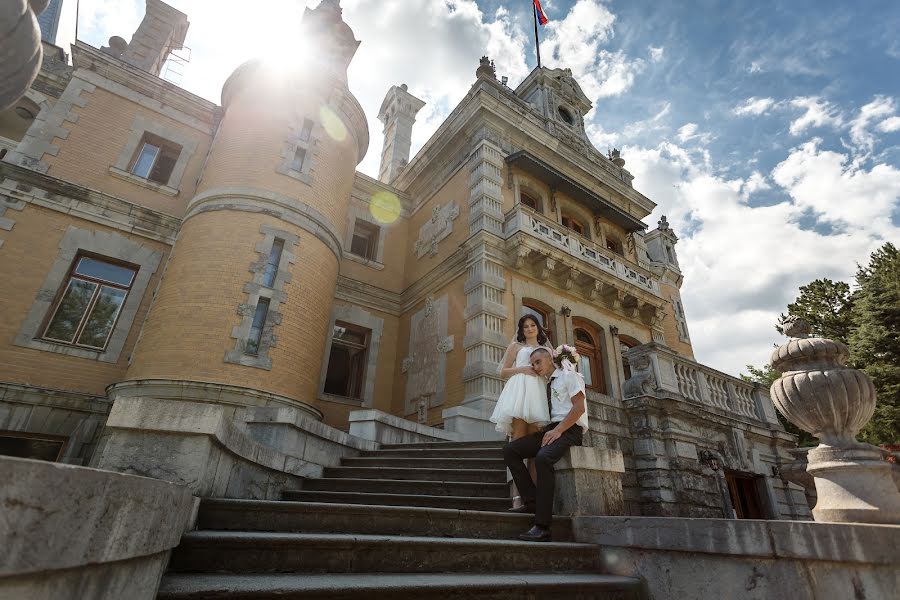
x=522, y=405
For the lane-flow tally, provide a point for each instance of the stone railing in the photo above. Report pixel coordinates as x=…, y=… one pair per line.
x=524, y=219
x=658, y=371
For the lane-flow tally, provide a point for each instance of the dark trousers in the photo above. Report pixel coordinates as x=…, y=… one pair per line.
x=529, y=446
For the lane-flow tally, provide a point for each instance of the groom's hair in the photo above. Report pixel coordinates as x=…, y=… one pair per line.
x=544, y=350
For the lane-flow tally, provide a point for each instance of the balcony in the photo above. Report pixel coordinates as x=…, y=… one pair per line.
x=523, y=219
x=657, y=371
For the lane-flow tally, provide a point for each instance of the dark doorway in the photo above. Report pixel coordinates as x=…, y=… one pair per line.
x=744, y=497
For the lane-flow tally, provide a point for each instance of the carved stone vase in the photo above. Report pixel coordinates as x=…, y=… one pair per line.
x=833, y=402
x=20, y=48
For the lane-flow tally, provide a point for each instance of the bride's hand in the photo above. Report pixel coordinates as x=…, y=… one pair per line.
x=529, y=370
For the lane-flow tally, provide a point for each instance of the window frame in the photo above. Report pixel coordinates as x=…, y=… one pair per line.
x=530, y=307
x=374, y=232
x=66, y=283
x=163, y=147
x=534, y=198
x=567, y=220
x=360, y=384
x=594, y=352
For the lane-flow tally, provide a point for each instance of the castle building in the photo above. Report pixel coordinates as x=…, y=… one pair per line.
x=155, y=244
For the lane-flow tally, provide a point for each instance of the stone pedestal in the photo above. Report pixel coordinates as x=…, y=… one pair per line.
x=854, y=485
x=589, y=482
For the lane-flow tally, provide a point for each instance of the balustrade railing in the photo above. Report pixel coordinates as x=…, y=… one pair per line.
x=524, y=219
x=656, y=368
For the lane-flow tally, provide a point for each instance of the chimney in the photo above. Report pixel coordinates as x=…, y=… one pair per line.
x=398, y=113
x=162, y=31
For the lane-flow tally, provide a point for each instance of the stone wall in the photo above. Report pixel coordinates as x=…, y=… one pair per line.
x=751, y=560
x=73, y=533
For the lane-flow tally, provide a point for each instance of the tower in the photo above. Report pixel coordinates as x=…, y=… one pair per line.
x=398, y=113
x=664, y=261
x=249, y=285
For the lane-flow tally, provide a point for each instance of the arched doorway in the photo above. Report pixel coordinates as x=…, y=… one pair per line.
x=587, y=342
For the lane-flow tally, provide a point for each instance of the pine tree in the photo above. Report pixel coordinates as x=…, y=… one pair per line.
x=826, y=305
x=875, y=340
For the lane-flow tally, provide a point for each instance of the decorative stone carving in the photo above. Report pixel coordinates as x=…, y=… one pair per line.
x=642, y=381
x=436, y=229
x=833, y=402
x=426, y=364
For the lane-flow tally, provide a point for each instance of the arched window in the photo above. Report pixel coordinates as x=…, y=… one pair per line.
x=542, y=315
x=587, y=342
x=575, y=225
x=565, y=115
x=626, y=342
x=530, y=200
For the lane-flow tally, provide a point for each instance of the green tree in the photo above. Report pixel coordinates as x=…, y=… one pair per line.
x=826, y=305
x=875, y=340
x=765, y=377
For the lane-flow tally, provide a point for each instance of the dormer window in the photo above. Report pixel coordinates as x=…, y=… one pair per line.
x=575, y=225
x=566, y=116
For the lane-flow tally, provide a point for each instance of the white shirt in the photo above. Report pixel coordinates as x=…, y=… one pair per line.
x=565, y=385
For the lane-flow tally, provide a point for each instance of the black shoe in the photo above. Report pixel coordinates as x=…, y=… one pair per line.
x=527, y=509
x=536, y=534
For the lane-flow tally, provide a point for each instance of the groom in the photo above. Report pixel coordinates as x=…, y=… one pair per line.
x=568, y=422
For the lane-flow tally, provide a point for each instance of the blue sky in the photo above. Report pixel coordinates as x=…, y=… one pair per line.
x=767, y=132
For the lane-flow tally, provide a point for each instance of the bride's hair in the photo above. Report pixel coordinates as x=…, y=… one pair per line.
x=520, y=335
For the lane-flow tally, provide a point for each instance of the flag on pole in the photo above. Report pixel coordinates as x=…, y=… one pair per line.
x=542, y=18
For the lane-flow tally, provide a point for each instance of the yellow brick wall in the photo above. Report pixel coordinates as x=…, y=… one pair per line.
x=189, y=329
x=94, y=144
x=28, y=253
x=394, y=259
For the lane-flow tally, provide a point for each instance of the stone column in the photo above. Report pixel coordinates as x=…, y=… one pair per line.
x=589, y=482
x=833, y=402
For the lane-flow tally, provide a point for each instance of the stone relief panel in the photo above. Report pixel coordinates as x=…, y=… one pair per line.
x=436, y=229
x=426, y=365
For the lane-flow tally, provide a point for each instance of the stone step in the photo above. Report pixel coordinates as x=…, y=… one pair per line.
x=495, y=453
x=409, y=486
x=263, y=552
x=470, y=475
x=444, y=445
x=401, y=586
x=425, y=463
x=311, y=517
x=458, y=502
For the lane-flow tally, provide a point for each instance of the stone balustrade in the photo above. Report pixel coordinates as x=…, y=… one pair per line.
x=658, y=371
x=521, y=218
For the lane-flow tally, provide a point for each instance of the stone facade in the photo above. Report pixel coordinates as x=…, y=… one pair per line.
x=507, y=209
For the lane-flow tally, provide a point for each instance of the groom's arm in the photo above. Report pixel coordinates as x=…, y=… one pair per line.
x=578, y=408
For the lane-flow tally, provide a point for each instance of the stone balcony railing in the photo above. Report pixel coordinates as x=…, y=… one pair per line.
x=658, y=371
x=523, y=219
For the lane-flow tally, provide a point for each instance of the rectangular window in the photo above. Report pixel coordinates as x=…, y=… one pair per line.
x=365, y=240
x=272, y=263
x=347, y=361
x=259, y=322
x=29, y=445
x=155, y=159
x=614, y=245
x=306, y=131
x=585, y=369
x=90, y=303
x=299, y=159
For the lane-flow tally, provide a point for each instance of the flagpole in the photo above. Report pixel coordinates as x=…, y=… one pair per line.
x=537, y=42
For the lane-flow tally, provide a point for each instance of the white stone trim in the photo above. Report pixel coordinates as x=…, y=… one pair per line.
x=255, y=290
x=360, y=211
x=362, y=318
x=293, y=143
x=142, y=125
x=102, y=243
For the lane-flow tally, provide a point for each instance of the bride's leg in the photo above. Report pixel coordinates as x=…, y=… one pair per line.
x=519, y=429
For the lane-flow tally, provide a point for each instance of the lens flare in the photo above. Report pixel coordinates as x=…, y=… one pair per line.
x=385, y=207
x=332, y=124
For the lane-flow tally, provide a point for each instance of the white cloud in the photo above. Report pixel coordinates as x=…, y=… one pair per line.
x=819, y=113
x=687, y=132
x=744, y=264
x=889, y=125
x=755, y=67
x=754, y=106
x=577, y=41
x=656, y=54
x=879, y=109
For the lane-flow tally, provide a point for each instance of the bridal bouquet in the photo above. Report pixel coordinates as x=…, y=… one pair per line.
x=565, y=352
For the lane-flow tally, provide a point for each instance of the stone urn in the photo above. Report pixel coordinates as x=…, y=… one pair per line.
x=818, y=393
x=20, y=48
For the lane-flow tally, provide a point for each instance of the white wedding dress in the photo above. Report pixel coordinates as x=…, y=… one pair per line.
x=523, y=397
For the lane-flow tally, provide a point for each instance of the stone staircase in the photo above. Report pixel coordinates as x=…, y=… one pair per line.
x=406, y=521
